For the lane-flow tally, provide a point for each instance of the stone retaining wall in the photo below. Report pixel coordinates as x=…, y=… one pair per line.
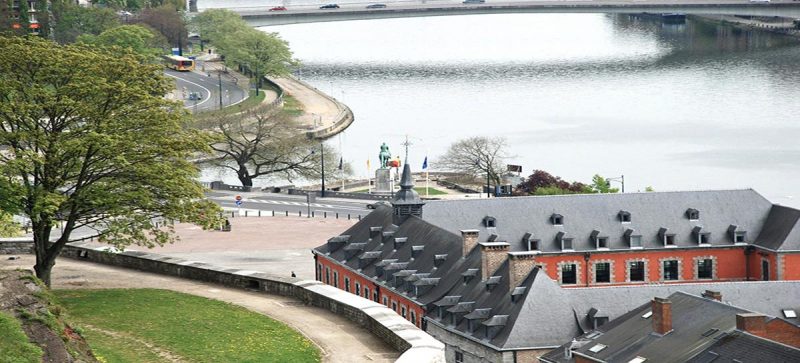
x=416, y=345
x=10, y=246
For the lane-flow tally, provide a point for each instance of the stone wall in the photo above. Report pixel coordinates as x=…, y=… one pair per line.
x=10, y=246
x=471, y=352
x=416, y=345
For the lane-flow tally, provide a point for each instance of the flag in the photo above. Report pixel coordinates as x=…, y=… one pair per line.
x=368, y=168
x=340, y=163
x=425, y=163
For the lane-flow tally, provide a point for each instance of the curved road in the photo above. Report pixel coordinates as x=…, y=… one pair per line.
x=205, y=85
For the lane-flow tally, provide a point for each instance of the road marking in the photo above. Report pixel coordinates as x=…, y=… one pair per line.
x=198, y=85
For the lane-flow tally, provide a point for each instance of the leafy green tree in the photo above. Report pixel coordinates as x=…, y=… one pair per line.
x=263, y=143
x=169, y=22
x=71, y=20
x=139, y=39
x=649, y=189
x=98, y=147
x=602, y=185
x=541, y=182
x=8, y=228
x=6, y=20
x=43, y=17
x=477, y=156
x=24, y=16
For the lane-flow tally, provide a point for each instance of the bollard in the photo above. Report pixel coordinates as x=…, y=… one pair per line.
x=287, y=213
x=259, y=212
x=273, y=213
x=359, y=217
x=232, y=212
x=312, y=214
x=299, y=213
x=324, y=214
x=245, y=212
x=348, y=216
x=337, y=215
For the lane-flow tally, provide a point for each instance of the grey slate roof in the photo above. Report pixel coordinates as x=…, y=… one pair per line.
x=781, y=230
x=699, y=325
x=585, y=213
x=739, y=346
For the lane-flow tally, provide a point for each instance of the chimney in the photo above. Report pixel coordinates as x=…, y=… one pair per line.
x=711, y=294
x=662, y=316
x=752, y=323
x=520, y=265
x=492, y=256
x=469, y=238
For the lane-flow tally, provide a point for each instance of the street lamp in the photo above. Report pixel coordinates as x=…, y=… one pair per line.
x=322, y=159
x=620, y=179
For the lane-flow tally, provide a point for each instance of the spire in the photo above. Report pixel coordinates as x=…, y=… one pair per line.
x=407, y=202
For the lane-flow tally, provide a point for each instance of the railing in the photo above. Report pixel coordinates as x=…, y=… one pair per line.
x=278, y=101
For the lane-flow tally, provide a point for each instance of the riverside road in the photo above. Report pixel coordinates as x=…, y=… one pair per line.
x=205, y=85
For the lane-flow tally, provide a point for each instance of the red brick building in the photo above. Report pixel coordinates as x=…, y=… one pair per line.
x=474, y=269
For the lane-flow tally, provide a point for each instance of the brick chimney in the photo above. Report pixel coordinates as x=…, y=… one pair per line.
x=711, y=294
x=492, y=256
x=752, y=323
x=469, y=238
x=662, y=315
x=520, y=265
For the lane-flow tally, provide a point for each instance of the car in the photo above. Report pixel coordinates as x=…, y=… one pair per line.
x=376, y=6
x=278, y=8
x=195, y=96
x=376, y=205
x=473, y=1
x=329, y=6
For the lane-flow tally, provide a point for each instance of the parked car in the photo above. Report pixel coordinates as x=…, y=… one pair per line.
x=473, y=1
x=329, y=6
x=376, y=6
x=195, y=96
x=377, y=204
x=278, y=8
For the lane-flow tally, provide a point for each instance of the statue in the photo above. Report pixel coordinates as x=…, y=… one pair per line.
x=384, y=156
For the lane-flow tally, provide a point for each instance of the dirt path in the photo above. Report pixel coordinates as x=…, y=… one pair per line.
x=319, y=111
x=338, y=338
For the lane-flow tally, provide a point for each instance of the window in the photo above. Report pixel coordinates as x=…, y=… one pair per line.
x=597, y=348
x=413, y=317
x=358, y=289
x=602, y=272
x=489, y=222
x=328, y=275
x=568, y=274
x=557, y=219
x=636, y=270
x=765, y=270
x=394, y=306
x=624, y=216
x=385, y=301
x=459, y=357
x=375, y=295
x=636, y=241
x=705, y=268
x=638, y=360
x=533, y=245
x=347, y=284
x=319, y=272
x=692, y=214
x=335, y=279
x=704, y=238
x=566, y=243
x=669, y=240
x=403, y=311
x=366, y=292
x=789, y=313
x=602, y=242
x=671, y=270
x=740, y=237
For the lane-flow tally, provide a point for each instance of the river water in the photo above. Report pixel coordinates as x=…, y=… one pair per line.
x=675, y=107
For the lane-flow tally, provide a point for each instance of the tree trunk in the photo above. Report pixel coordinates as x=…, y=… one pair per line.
x=244, y=176
x=44, y=260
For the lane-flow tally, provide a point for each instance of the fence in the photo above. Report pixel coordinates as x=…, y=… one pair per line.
x=250, y=213
x=344, y=195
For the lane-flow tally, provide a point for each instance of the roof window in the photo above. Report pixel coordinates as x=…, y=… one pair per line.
x=624, y=216
x=532, y=244
x=490, y=222
x=667, y=238
x=634, y=240
x=557, y=219
x=736, y=235
x=597, y=348
x=789, y=313
x=566, y=242
x=703, y=238
x=693, y=214
x=647, y=315
x=638, y=360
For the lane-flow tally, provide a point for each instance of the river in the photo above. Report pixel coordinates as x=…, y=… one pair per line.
x=675, y=107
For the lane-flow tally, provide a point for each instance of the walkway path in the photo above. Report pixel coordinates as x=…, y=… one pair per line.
x=323, y=115
x=339, y=339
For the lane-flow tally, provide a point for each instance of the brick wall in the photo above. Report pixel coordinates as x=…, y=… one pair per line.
x=783, y=332
x=416, y=345
x=791, y=266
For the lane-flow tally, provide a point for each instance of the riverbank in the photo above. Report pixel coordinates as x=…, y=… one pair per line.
x=784, y=26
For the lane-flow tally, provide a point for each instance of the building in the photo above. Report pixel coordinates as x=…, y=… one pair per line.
x=20, y=15
x=685, y=328
x=510, y=279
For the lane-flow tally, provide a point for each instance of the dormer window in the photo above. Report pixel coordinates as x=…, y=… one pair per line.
x=740, y=237
x=624, y=216
x=601, y=242
x=634, y=240
x=533, y=244
x=703, y=238
x=566, y=242
x=667, y=238
x=693, y=214
x=490, y=222
x=557, y=219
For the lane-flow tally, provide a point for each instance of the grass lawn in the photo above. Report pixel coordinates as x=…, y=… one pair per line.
x=14, y=344
x=247, y=104
x=420, y=190
x=194, y=328
x=292, y=106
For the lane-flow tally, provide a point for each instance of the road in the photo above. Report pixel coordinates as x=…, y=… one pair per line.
x=252, y=203
x=205, y=85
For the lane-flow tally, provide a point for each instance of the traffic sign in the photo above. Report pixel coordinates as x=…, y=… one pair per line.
x=238, y=203
x=238, y=197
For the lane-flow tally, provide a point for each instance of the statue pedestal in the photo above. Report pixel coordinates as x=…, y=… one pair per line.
x=383, y=181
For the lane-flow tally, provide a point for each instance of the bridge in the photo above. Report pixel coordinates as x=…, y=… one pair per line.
x=297, y=14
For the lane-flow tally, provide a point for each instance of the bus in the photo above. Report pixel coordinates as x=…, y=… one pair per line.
x=179, y=63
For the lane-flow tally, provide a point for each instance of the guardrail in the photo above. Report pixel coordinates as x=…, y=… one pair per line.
x=334, y=194
x=278, y=101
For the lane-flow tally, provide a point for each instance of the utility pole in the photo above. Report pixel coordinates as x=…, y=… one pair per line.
x=322, y=158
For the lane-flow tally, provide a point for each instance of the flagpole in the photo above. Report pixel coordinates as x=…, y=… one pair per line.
x=369, y=183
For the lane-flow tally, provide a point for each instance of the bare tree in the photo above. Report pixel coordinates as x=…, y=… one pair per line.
x=265, y=141
x=477, y=156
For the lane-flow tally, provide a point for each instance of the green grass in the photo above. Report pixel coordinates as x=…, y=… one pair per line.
x=292, y=106
x=192, y=327
x=14, y=344
x=247, y=104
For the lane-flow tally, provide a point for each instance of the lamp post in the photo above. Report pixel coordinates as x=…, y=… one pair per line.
x=620, y=179
x=322, y=159
x=219, y=79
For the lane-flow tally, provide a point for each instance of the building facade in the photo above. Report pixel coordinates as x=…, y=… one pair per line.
x=510, y=279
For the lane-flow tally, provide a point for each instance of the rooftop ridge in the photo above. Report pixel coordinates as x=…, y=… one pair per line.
x=606, y=195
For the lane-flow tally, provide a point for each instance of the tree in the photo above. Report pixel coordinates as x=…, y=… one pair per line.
x=136, y=38
x=101, y=147
x=72, y=20
x=476, y=156
x=265, y=142
x=541, y=182
x=169, y=22
x=602, y=185
x=8, y=228
x=43, y=17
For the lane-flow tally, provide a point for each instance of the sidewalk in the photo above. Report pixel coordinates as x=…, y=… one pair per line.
x=323, y=115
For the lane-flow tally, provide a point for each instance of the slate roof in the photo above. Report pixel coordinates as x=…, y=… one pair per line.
x=781, y=231
x=700, y=326
x=740, y=346
x=585, y=213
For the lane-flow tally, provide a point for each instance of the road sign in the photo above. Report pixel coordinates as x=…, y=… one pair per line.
x=238, y=197
x=238, y=203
